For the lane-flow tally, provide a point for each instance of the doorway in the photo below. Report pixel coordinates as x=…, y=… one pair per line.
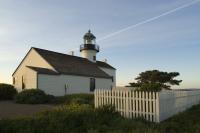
x=92, y=84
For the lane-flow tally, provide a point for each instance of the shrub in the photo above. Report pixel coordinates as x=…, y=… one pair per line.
x=79, y=101
x=74, y=108
x=74, y=118
x=7, y=92
x=151, y=87
x=76, y=99
x=33, y=96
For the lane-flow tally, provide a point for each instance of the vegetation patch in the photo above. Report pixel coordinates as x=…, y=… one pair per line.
x=33, y=96
x=83, y=118
x=75, y=99
x=76, y=114
x=155, y=80
x=7, y=92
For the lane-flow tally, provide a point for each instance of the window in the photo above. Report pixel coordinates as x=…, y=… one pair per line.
x=94, y=58
x=23, y=84
x=13, y=80
x=112, y=79
x=92, y=84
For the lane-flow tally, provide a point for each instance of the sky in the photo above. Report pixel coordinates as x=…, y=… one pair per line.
x=168, y=43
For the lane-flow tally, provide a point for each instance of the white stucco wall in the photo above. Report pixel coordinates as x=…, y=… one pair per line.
x=89, y=54
x=29, y=76
x=55, y=84
x=29, y=79
x=110, y=72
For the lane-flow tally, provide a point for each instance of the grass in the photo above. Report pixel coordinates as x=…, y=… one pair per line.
x=185, y=122
x=74, y=98
x=77, y=115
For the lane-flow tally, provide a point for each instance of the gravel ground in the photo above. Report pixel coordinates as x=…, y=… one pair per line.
x=9, y=109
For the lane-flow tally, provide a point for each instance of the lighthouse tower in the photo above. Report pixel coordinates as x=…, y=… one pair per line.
x=89, y=49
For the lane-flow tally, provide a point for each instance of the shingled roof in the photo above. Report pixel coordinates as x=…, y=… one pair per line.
x=43, y=70
x=73, y=65
x=104, y=64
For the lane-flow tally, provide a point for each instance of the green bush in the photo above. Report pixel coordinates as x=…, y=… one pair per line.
x=73, y=118
x=7, y=92
x=151, y=87
x=74, y=108
x=76, y=118
x=33, y=96
x=75, y=99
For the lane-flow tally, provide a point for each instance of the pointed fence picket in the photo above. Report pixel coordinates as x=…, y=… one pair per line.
x=130, y=104
x=152, y=106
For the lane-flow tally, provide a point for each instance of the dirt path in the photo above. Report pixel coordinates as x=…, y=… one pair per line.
x=9, y=109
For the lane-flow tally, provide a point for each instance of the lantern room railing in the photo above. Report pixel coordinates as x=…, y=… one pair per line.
x=89, y=47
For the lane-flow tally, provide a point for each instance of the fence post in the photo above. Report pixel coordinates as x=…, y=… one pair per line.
x=140, y=103
x=157, y=107
x=133, y=105
x=147, y=105
x=127, y=103
x=95, y=99
x=150, y=106
x=130, y=105
x=136, y=101
x=143, y=105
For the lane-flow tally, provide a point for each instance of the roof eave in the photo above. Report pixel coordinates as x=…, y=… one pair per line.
x=109, y=77
x=22, y=61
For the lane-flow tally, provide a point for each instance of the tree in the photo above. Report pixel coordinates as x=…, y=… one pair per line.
x=155, y=80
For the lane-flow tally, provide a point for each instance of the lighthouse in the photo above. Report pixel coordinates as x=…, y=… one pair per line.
x=71, y=74
x=89, y=48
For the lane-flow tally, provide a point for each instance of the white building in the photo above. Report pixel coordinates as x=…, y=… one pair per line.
x=59, y=74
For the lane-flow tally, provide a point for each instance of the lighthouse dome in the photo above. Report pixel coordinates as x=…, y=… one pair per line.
x=89, y=36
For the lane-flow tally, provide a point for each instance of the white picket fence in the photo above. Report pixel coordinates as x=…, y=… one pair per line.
x=152, y=106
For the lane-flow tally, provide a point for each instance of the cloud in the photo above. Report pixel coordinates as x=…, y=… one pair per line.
x=148, y=20
x=169, y=31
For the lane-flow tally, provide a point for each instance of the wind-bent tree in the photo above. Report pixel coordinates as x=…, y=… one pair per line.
x=155, y=80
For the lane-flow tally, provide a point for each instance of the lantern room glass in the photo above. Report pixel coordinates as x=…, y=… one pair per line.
x=89, y=41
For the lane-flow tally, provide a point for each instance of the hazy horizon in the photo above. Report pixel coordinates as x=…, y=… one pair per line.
x=130, y=33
